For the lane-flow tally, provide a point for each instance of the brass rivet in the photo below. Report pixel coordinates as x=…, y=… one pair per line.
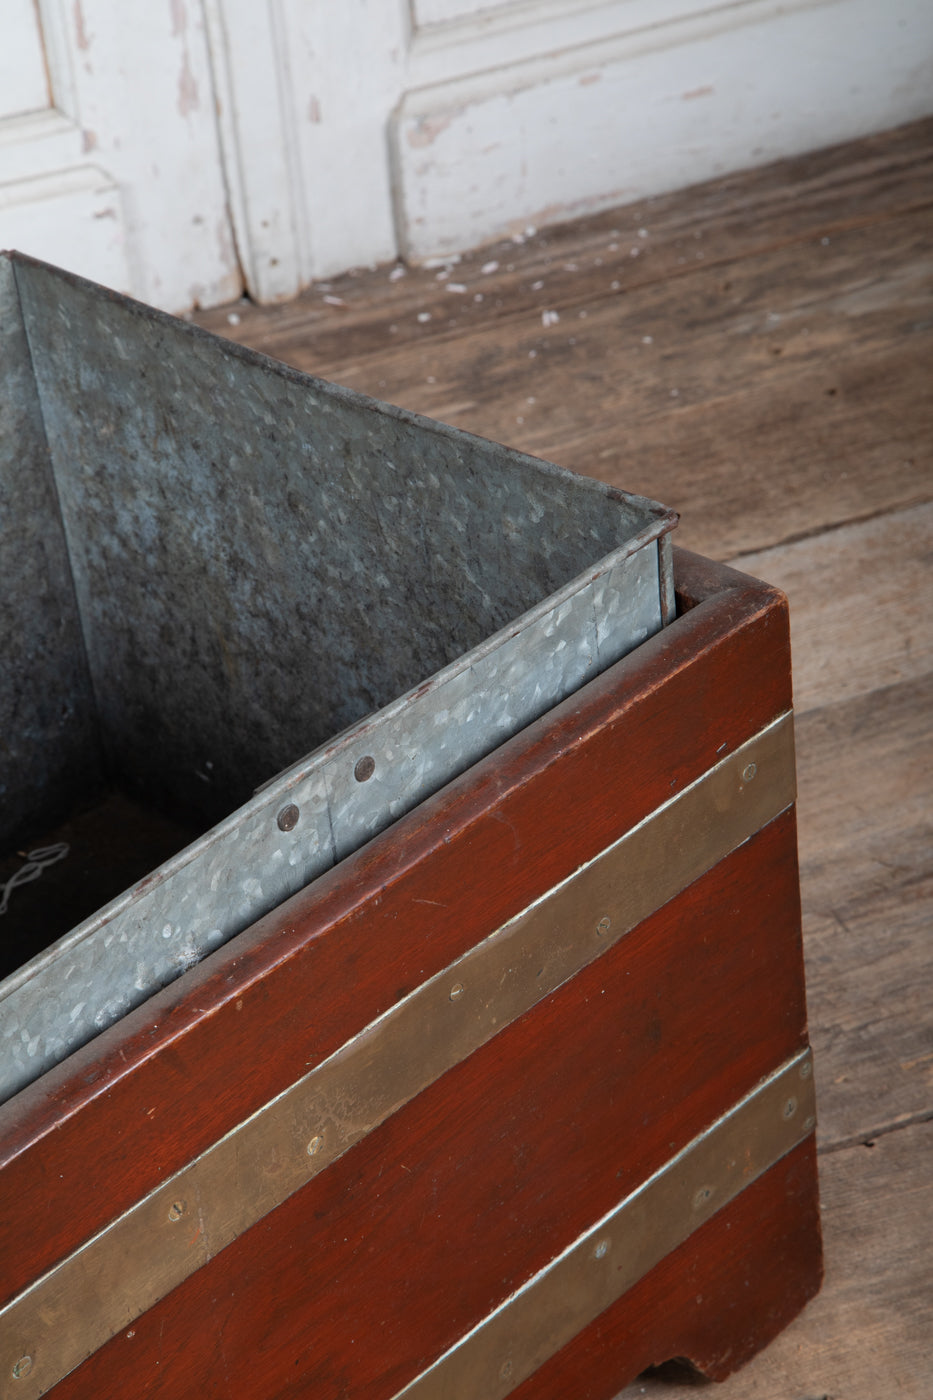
x=177, y=1209
x=601, y=1250
x=287, y=819
x=364, y=769
x=790, y=1108
x=702, y=1196
x=749, y=771
x=604, y=925
x=806, y=1069
x=456, y=991
x=315, y=1145
x=22, y=1368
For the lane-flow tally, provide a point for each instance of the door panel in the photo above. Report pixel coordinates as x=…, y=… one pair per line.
x=85, y=203
x=424, y=127
x=23, y=82
x=115, y=172
x=271, y=144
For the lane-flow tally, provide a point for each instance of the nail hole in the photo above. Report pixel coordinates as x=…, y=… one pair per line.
x=364, y=769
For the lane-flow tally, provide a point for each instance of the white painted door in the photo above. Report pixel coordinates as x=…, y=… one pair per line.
x=109, y=155
x=357, y=130
x=181, y=149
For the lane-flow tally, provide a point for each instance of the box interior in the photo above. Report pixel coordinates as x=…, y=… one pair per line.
x=212, y=565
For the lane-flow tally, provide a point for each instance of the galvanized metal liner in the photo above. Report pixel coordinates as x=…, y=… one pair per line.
x=49, y=746
x=259, y=560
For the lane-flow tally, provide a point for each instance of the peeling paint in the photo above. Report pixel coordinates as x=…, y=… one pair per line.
x=179, y=16
x=82, y=38
x=705, y=91
x=426, y=130
x=228, y=257
x=188, y=98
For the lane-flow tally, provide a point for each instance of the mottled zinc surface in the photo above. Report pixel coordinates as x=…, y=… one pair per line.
x=261, y=561
x=272, y=558
x=48, y=733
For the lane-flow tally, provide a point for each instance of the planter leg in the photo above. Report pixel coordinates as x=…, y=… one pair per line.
x=714, y=1302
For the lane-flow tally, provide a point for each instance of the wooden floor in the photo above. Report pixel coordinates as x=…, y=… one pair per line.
x=758, y=353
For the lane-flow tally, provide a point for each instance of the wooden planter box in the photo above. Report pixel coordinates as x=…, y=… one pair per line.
x=515, y=1099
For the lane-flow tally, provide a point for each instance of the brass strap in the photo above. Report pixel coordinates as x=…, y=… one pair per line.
x=52, y=1326
x=552, y=1307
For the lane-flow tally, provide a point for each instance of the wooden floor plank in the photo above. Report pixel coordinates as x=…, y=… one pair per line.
x=867, y=1335
x=764, y=398
x=860, y=598
x=736, y=216
x=865, y=774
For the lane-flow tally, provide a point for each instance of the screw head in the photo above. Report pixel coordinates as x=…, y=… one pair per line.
x=790, y=1108
x=809, y=1124
x=749, y=771
x=22, y=1368
x=456, y=991
x=364, y=769
x=702, y=1196
x=505, y=1370
x=287, y=819
x=604, y=925
x=601, y=1250
x=315, y=1145
x=806, y=1069
x=177, y=1209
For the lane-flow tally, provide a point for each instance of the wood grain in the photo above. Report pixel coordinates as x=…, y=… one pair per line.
x=860, y=598
x=865, y=772
x=868, y=1332
x=763, y=364
x=94, y=1135
x=736, y=218
x=437, y=1215
x=716, y=1300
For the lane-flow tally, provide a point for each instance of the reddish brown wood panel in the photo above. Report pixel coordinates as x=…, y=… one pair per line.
x=100, y=1131
x=716, y=1301
x=398, y=1248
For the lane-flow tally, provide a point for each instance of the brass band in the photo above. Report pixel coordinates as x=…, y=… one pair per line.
x=552, y=1307
x=132, y=1263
